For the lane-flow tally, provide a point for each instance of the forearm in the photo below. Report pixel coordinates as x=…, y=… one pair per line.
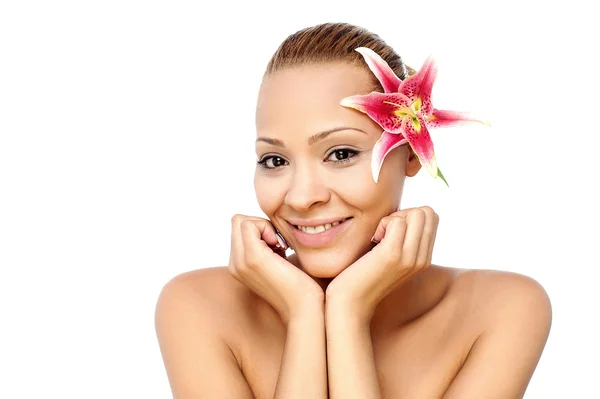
x=303, y=372
x=350, y=359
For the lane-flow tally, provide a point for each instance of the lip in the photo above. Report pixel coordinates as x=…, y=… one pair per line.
x=320, y=239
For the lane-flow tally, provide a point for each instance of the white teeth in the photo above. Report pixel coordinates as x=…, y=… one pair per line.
x=318, y=229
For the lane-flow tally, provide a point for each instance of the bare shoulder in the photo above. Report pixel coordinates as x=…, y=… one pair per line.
x=210, y=290
x=500, y=298
x=510, y=315
x=196, y=315
x=208, y=282
x=209, y=297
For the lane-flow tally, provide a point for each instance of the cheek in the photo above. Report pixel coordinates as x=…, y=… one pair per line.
x=269, y=193
x=373, y=200
x=379, y=199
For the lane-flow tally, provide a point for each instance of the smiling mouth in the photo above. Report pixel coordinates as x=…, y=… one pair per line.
x=319, y=229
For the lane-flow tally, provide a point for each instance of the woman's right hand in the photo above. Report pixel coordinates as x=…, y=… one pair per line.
x=257, y=262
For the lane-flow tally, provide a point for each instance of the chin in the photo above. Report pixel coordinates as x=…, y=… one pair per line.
x=327, y=263
x=323, y=270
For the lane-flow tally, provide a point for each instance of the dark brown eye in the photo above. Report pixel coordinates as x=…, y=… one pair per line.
x=342, y=154
x=272, y=162
x=277, y=161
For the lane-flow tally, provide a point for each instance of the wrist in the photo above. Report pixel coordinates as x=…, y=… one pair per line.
x=310, y=310
x=340, y=312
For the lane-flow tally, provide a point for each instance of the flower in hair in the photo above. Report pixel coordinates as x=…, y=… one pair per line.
x=405, y=112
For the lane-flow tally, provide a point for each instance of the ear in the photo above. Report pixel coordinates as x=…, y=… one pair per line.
x=412, y=163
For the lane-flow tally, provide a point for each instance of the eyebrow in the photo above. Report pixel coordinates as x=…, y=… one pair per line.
x=312, y=139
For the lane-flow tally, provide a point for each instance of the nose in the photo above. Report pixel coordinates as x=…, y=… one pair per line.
x=307, y=189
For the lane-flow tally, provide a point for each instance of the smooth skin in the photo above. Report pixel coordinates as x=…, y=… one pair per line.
x=365, y=316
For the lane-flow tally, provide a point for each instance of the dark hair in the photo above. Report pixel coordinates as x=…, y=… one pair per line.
x=332, y=42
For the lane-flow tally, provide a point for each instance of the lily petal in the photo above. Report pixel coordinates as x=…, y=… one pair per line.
x=420, y=141
x=441, y=118
x=405, y=112
x=386, y=143
x=382, y=71
x=387, y=110
x=419, y=86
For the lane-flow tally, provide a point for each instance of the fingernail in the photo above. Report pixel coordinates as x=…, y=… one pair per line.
x=281, y=241
x=374, y=240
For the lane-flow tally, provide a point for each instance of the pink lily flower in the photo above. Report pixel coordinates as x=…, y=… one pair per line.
x=405, y=112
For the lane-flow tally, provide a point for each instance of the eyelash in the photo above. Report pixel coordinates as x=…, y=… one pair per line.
x=262, y=163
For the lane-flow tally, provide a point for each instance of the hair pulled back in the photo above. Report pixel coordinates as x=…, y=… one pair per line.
x=334, y=42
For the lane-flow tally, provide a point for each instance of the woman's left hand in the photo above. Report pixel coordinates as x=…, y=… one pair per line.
x=405, y=246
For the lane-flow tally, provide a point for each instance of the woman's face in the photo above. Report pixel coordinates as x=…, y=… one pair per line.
x=315, y=165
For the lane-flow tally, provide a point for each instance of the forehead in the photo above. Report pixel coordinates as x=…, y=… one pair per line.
x=307, y=99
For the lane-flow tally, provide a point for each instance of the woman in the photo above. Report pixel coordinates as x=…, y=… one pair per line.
x=357, y=310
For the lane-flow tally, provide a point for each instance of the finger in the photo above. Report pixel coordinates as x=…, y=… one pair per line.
x=252, y=246
x=383, y=223
x=433, y=236
x=257, y=255
x=267, y=233
x=393, y=241
x=381, y=261
x=427, y=237
x=258, y=235
x=415, y=222
x=236, y=253
x=237, y=244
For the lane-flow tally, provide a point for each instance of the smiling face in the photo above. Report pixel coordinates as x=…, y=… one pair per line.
x=315, y=165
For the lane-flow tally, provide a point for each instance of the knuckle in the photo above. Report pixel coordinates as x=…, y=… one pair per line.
x=429, y=212
x=237, y=218
x=249, y=258
x=397, y=221
x=385, y=220
x=406, y=263
x=245, y=224
x=253, y=260
x=417, y=213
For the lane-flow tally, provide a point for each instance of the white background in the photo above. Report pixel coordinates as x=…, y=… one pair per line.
x=126, y=145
